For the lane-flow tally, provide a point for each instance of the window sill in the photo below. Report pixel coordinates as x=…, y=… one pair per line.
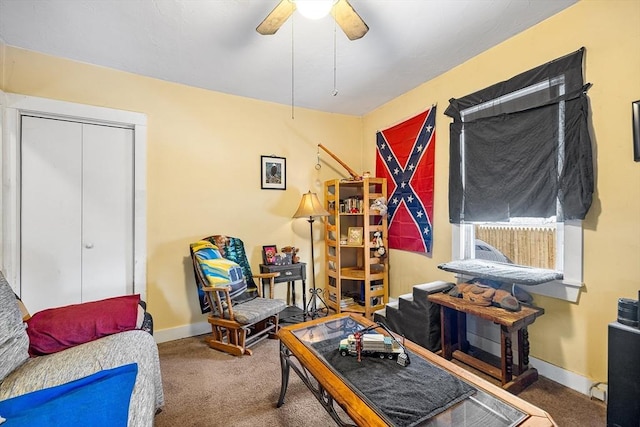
x=533, y=280
x=565, y=290
x=501, y=272
x=571, y=240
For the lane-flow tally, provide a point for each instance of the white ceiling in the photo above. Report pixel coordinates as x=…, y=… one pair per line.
x=213, y=44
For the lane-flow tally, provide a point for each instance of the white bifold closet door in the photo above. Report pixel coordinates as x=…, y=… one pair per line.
x=76, y=213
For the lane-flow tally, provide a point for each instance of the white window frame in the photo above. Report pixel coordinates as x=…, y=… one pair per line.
x=569, y=251
x=569, y=234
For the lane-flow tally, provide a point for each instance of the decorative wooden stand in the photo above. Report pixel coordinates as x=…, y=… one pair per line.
x=453, y=315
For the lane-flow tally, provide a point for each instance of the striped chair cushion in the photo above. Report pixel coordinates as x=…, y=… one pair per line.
x=257, y=309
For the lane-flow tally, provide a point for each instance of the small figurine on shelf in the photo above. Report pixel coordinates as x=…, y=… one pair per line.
x=380, y=205
x=377, y=243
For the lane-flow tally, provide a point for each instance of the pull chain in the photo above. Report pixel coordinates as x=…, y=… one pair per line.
x=318, y=165
x=335, y=88
x=292, y=68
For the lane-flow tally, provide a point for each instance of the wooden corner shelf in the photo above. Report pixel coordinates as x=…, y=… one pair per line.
x=356, y=280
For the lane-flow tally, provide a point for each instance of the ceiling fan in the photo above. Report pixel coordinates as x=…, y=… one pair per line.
x=344, y=14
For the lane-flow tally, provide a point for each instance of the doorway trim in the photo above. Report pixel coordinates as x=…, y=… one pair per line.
x=14, y=107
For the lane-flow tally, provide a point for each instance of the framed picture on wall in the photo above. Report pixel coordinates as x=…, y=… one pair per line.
x=269, y=254
x=273, y=173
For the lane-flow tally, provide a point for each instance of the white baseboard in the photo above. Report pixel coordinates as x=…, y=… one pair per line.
x=562, y=376
x=185, y=331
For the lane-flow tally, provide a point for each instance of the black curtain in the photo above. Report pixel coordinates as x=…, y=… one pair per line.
x=511, y=149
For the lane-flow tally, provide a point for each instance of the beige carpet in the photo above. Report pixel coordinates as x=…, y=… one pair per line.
x=204, y=387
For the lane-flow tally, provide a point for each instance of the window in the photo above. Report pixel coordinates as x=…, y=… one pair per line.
x=568, y=255
x=529, y=241
x=521, y=165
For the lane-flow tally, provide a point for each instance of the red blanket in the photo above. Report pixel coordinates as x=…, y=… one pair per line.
x=56, y=329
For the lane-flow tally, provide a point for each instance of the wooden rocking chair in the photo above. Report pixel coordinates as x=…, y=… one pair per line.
x=239, y=318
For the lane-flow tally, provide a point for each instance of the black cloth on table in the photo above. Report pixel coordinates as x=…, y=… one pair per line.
x=405, y=395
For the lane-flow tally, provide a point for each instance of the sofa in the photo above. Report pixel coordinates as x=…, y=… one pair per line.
x=83, y=374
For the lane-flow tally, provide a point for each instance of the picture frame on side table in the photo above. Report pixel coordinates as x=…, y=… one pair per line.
x=635, y=111
x=273, y=173
x=269, y=254
x=354, y=236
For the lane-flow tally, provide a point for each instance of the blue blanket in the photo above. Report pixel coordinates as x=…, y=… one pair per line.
x=99, y=400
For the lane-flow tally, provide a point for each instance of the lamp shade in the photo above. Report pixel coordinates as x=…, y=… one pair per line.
x=310, y=206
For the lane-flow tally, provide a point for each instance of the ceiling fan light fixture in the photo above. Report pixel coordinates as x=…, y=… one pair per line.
x=343, y=13
x=314, y=9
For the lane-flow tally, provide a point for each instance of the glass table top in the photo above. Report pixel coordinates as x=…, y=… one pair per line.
x=477, y=409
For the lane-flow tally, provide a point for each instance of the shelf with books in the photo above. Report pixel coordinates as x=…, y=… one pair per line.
x=356, y=278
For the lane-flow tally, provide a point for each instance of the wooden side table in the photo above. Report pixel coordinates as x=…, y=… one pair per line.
x=289, y=273
x=453, y=317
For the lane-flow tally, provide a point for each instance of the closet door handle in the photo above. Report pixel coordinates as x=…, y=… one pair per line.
x=89, y=245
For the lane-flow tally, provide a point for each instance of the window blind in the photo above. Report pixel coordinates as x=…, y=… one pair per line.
x=521, y=148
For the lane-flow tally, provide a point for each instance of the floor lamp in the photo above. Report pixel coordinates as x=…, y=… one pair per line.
x=310, y=207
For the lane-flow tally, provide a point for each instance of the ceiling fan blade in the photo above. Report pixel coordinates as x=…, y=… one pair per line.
x=349, y=20
x=276, y=18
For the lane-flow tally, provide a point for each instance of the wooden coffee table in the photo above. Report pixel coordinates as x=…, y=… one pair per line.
x=298, y=352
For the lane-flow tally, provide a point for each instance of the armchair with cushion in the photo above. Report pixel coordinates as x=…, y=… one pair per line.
x=239, y=317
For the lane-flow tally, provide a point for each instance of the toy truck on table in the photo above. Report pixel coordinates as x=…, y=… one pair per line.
x=373, y=344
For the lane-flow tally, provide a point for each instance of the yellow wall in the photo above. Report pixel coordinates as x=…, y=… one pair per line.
x=203, y=168
x=197, y=136
x=572, y=336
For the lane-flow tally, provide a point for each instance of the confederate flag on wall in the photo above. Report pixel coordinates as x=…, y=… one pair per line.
x=405, y=155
